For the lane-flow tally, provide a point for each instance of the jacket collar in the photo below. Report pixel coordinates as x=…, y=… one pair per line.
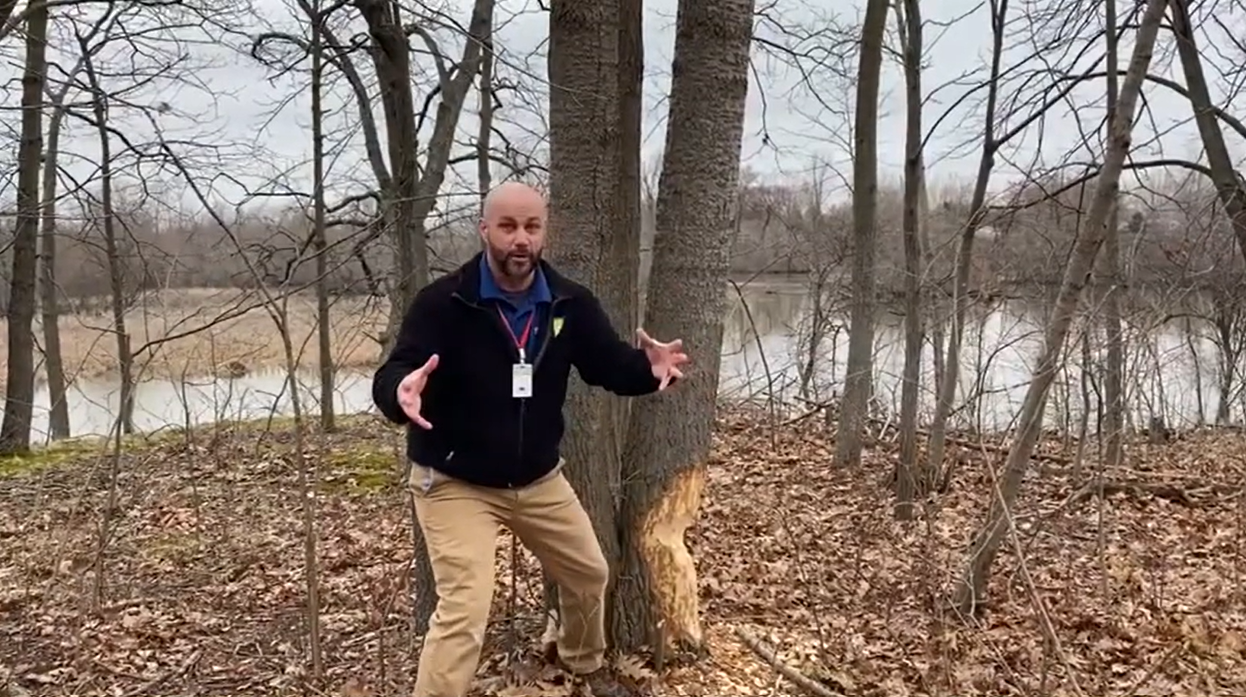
x=469, y=280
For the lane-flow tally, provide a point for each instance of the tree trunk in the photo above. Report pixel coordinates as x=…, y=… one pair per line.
x=323, y=328
x=585, y=151
x=1229, y=185
x=858, y=380
x=910, y=26
x=408, y=197
x=946, y=394
x=116, y=265
x=20, y=379
x=54, y=364
x=971, y=589
x=1109, y=281
x=670, y=437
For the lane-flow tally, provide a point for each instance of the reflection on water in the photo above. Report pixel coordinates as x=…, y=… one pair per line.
x=760, y=354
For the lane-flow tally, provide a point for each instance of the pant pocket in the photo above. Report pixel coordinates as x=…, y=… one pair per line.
x=422, y=480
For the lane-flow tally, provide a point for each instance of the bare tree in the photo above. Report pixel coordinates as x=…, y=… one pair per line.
x=323, y=330
x=972, y=586
x=910, y=25
x=858, y=381
x=20, y=379
x=108, y=224
x=670, y=439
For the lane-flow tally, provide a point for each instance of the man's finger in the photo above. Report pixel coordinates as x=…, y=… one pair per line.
x=431, y=364
x=643, y=338
x=422, y=422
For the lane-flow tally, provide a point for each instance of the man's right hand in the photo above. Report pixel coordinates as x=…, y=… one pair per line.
x=410, y=389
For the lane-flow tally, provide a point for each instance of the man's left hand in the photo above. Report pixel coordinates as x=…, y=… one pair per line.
x=664, y=358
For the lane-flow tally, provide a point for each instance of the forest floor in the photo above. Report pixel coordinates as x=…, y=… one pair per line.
x=203, y=587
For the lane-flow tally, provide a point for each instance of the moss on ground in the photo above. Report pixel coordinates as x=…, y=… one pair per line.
x=361, y=468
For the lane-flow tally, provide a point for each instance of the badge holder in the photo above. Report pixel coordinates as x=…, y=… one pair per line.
x=521, y=378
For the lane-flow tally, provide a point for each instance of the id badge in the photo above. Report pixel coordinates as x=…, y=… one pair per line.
x=521, y=380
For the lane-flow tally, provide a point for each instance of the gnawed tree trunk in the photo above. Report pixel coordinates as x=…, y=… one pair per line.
x=116, y=265
x=670, y=436
x=907, y=478
x=859, y=378
x=971, y=589
x=20, y=378
x=585, y=148
x=49, y=292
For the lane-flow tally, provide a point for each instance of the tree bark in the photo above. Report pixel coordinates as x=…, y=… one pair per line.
x=1229, y=185
x=858, y=382
x=323, y=328
x=1109, y=278
x=971, y=589
x=583, y=189
x=670, y=437
x=910, y=26
x=49, y=292
x=20, y=377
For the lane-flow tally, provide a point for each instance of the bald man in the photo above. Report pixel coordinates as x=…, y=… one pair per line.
x=479, y=376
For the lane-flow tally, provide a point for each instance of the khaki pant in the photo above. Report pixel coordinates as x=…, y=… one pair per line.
x=461, y=524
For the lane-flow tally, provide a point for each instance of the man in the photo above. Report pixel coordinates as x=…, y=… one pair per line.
x=479, y=375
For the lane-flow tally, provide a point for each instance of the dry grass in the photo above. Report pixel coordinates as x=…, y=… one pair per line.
x=202, y=331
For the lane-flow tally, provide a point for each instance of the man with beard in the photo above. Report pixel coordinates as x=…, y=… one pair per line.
x=479, y=376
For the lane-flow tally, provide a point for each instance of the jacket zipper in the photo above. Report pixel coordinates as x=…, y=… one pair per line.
x=549, y=328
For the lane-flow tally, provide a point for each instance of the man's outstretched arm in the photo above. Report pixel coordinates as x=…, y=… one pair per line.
x=605, y=360
x=418, y=339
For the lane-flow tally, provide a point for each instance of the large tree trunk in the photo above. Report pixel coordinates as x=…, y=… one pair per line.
x=49, y=292
x=859, y=380
x=669, y=439
x=910, y=26
x=20, y=379
x=971, y=589
x=116, y=265
x=585, y=148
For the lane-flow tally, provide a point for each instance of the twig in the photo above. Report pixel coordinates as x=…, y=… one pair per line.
x=803, y=681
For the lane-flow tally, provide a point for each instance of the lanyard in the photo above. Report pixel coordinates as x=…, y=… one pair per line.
x=521, y=341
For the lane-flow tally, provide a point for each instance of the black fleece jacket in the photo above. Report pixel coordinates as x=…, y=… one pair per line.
x=481, y=433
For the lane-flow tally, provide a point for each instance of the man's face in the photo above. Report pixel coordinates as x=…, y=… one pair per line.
x=513, y=229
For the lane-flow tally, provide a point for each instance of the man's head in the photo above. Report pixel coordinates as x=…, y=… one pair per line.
x=512, y=226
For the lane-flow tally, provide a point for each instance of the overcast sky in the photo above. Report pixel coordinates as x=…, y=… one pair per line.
x=262, y=122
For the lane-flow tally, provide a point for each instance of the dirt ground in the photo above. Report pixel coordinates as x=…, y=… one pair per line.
x=203, y=587
x=198, y=332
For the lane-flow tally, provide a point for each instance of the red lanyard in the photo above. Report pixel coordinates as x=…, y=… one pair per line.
x=521, y=341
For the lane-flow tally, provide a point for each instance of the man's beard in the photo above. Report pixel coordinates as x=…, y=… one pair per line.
x=513, y=266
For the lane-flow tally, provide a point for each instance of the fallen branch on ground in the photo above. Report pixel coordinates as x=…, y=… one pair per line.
x=803, y=681
x=1192, y=494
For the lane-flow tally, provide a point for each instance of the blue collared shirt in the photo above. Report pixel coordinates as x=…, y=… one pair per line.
x=518, y=307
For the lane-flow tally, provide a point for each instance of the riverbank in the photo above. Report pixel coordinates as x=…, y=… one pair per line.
x=204, y=590
x=204, y=331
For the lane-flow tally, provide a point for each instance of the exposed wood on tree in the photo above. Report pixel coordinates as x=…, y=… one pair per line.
x=670, y=434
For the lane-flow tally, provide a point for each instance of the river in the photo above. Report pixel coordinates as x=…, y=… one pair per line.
x=762, y=331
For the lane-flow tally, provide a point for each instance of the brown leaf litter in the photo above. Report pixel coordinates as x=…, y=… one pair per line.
x=204, y=590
